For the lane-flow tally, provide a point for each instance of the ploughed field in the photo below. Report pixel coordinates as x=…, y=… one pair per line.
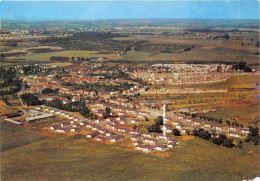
x=65, y=157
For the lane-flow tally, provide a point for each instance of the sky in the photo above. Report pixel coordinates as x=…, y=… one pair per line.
x=129, y=9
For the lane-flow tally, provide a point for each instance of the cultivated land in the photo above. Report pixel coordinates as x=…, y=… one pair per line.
x=66, y=157
x=35, y=152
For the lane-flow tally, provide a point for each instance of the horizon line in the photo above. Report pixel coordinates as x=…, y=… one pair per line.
x=88, y=19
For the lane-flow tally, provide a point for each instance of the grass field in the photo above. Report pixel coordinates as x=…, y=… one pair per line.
x=71, y=158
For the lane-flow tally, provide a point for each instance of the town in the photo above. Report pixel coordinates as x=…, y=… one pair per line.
x=109, y=112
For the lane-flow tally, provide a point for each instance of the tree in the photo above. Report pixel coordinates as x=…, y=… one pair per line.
x=159, y=120
x=228, y=143
x=176, y=132
x=239, y=145
x=14, y=44
x=107, y=111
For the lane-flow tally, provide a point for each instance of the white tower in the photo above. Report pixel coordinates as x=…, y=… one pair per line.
x=164, y=120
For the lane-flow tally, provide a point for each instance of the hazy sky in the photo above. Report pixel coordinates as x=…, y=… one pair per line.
x=70, y=10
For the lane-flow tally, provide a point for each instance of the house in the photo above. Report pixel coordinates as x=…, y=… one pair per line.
x=64, y=124
x=138, y=142
x=148, y=135
x=160, y=147
x=102, y=130
x=219, y=128
x=233, y=134
x=195, y=122
x=188, y=119
x=92, y=134
x=232, y=128
x=145, y=148
x=244, y=131
x=185, y=130
x=170, y=140
x=135, y=132
x=95, y=127
x=184, y=110
x=135, y=138
x=38, y=107
x=207, y=125
x=171, y=144
x=176, y=123
x=76, y=125
x=54, y=127
x=179, y=126
x=71, y=121
x=217, y=135
x=168, y=128
x=123, y=121
x=110, y=133
x=180, y=116
x=142, y=113
x=135, y=121
x=62, y=130
x=116, y=138
x=100, y=138
x=150, y=140
x=109, y=119
x=125, y=130
x=160, y=136
x=74, y=129
x=83, y=123
x=75, y=118
x=98, y=120
x=89, y=125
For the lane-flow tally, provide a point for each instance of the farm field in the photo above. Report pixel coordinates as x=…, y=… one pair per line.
x=71, y=53
x=13, y=136
x=198, y=160
x=197, y=54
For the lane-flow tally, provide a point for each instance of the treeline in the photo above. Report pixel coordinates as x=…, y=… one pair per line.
x=50, y=91
x=253, y=135
x=242, y=66
x=10, y=82
x=220, y=121
x=77, y=106
x=59, y=58
x=221, y=140
x=31, y=69
x=241, y=89
x=162, y=48
x=31, y=99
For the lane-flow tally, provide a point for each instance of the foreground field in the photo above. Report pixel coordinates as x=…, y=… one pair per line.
x=66, y=158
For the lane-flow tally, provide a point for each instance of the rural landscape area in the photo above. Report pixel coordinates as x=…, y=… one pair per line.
x=129, y=99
